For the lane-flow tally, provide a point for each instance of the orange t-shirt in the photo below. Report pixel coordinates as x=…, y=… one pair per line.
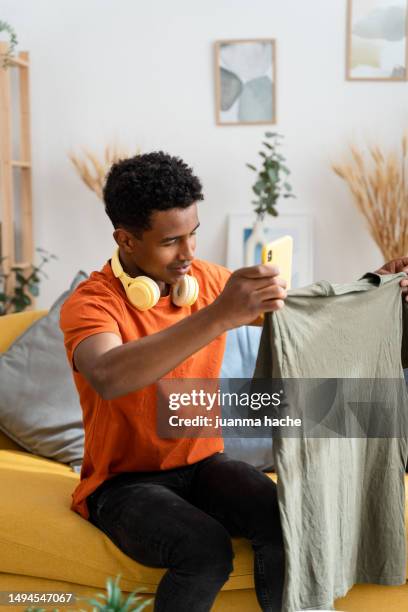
x=120, y=434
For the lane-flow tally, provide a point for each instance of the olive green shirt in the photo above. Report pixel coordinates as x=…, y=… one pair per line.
x=341, y=499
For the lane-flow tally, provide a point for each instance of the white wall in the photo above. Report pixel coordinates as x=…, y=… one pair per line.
x=142, y=72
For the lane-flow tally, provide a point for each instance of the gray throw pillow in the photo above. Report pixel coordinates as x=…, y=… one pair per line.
x=39, y=405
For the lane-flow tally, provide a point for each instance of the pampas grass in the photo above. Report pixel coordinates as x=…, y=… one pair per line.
x=93, y=170
x=380, y=190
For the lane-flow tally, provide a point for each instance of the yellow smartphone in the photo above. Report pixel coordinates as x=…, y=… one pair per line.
x=279, y=253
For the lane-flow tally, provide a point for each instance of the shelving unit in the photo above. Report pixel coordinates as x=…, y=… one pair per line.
x=8, y=165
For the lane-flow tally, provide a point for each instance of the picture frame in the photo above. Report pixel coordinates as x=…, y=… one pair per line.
x=297, y=224
x=376, y=40
x=245, y=81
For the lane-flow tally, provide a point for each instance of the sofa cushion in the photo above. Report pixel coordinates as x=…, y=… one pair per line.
x=41, y=536
x=241, y=351
x=58, y=544
x=39, y=406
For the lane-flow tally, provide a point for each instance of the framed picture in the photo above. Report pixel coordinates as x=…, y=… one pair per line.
x=297, y=225
x=245, y=81
x=376, y=46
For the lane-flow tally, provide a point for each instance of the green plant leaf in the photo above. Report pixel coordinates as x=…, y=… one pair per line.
x=262, y=154
x=143, y=605
x=34, y=290
x=272, y=163
x=251, y=167
x=268, y=145
x=5, y=27
x=270, y=134
x=21, y=279
x=287, y=186
x=273, y=175
x=116, y=592
x=109, y=588
x=95, y=602
x=131, y=599
x=258, y=187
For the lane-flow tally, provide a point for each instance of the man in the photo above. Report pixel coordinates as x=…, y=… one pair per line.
x=170, y=503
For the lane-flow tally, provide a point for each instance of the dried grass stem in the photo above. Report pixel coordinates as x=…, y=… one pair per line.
x=380, y=192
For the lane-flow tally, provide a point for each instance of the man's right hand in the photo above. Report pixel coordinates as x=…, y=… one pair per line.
x=250, y=292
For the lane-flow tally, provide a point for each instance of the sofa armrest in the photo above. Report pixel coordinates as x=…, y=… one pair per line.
x=13, y=325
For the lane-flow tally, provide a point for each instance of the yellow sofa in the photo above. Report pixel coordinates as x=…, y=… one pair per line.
x=45, y=547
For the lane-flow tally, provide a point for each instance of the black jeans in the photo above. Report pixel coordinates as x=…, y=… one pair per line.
x=183, y=519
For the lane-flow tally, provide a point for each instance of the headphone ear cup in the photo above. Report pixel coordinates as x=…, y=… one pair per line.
x=196, y=291
x=185, y=292
x=193, y=291
x=143, y=292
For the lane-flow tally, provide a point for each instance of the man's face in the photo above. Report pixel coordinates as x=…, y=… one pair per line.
x=165, y=252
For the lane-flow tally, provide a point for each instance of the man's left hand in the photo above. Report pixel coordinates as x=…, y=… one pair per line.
x=395, y=266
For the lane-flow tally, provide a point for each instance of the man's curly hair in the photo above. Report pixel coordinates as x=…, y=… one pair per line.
x=137, y=186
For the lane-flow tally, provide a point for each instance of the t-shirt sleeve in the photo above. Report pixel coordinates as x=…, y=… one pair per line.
x=87, y=312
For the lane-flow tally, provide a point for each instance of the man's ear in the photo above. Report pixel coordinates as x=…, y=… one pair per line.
x=124, y=239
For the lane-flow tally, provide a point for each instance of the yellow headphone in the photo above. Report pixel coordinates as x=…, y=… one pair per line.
x=144, y=293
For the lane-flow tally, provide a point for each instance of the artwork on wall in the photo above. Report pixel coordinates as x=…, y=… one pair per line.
x=245, y=81
x=377, y=40
x=298, y=225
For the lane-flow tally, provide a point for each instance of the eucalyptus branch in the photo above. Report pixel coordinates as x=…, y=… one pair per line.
x=270, y=185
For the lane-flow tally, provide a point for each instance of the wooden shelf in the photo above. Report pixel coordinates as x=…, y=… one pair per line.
x=20, y=164
x=8, y=215
x=22, y=264
x=19, y=62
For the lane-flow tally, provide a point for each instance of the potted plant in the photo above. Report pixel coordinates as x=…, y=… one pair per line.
x=113, y=601
x=271, y=183
x=26, y=285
